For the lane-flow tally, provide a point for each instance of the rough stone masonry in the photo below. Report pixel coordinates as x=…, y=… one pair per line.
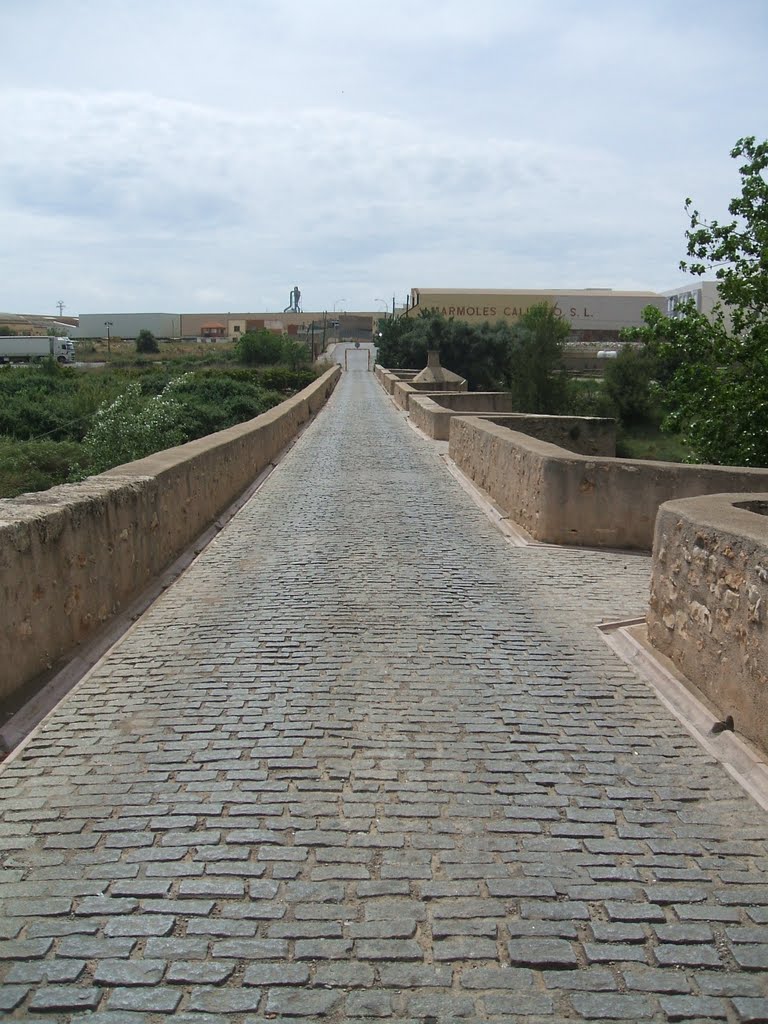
x=366, y=761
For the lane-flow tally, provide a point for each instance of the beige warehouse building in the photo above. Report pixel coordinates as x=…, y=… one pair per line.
x=594, y=314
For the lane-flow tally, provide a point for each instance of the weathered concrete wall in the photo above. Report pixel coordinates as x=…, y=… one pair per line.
x=586, y=435
x=388, y=378
x=709, y=601
x=403, y=390
x=432, y=411
x=470, y=402
x=564, y=498
x=73, y=556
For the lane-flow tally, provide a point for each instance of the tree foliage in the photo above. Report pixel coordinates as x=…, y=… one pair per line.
x=534, y=372
x=524, y=358
x=628, y=384
x=146, y=342
x=259, y=348
x=712, y=375
x=738, y=250
x=717, y=394
x=478, y=353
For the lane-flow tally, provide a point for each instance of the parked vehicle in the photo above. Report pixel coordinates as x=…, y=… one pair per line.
x=31, y=348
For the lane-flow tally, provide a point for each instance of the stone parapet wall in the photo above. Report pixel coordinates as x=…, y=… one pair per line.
x=564, y=498
x=72, y=557
x=432, y=414
x=403, y=390
x=583, y=435
x=708, y=610
x=389, y=378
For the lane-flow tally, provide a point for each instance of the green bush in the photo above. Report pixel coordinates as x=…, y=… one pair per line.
x=34, y=465
x=280, y=378
x=213, y=400
x=586, y=396
x=147, y=342
x=132, y=426
x=259, y=348
x=628, y=380
x=58, y=405
x=45, y=416
x=295, y=353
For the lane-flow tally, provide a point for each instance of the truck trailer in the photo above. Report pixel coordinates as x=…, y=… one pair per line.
x=31, y=348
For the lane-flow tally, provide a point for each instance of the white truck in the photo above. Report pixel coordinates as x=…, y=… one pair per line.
x=30, y=348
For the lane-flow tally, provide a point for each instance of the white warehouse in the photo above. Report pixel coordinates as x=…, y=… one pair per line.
x=128, y=325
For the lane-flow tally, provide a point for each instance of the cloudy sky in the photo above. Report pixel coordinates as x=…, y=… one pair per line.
x=201, y=155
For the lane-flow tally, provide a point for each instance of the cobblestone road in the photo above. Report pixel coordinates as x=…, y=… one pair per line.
x=368, y=761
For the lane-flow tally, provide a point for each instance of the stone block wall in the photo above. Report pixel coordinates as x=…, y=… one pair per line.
x=432, y=414
x=561, y=497
x=708, y=609
x=403, y=390
x=74, y=556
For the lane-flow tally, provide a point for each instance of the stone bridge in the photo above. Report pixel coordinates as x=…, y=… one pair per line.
x=367, y=760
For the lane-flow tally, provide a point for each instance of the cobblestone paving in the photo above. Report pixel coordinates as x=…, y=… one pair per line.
x=367, y=761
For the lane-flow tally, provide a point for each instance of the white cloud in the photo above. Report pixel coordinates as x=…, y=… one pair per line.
x=360, y=149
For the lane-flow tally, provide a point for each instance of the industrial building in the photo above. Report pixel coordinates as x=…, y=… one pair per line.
x=222, y=326
x=595, y=315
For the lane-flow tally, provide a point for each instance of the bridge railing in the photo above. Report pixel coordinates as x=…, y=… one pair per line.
x=74, y=556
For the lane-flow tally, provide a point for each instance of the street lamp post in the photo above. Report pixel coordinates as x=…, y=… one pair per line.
x=108, y=324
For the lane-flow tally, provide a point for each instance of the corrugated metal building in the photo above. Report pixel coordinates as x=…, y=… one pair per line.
x=128, y=325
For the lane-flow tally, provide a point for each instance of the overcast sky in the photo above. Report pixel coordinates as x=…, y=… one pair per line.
x=208, y=155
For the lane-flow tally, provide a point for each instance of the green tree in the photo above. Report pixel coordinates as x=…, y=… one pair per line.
x=478, y=352
x=534, y=372
x=294, y=353
x=738, y=250
x=715, y=375
x=628, y=384
x=259, y=348
x=146, y=342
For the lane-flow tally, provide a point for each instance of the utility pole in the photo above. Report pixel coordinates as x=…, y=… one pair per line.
x=60, y=304
x=108, y=324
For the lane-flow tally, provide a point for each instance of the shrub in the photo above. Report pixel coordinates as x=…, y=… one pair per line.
x=259, y=348
x=280, y=378
x=133, y=426
x=628, y=384
x=586, y=396
x=34, y=465
x=215, y=400
x=146, y=342
x=295, y=354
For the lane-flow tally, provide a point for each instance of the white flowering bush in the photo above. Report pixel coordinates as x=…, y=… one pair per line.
x=133, y=425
